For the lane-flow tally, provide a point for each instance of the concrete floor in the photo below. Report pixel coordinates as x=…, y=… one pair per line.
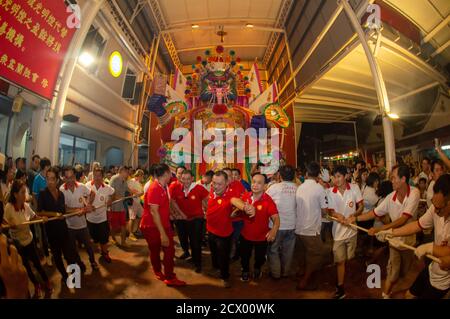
x=130, y=276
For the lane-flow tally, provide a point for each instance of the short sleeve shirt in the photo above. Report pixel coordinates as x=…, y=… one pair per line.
x=18, y=215
x=102, y=195
x=344, y=204
x=257, y=227
x=120, y=188
x=156, y=195
x=75, y=199
x=395, y=209
x=439, y=279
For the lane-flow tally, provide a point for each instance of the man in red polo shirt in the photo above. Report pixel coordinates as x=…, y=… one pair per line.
x=256, y=232
x=156, y=228
x=219, y=222
x=239, y=189
x=188, y=199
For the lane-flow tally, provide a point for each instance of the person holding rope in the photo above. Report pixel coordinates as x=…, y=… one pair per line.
x=256, y=233
x=219, y=223
x=97, y=220
x=434, y=281
x=190, y=198
x=344, y=200
x=51, y=203
x=75, y=195
x=401, y=206
x=17, y=211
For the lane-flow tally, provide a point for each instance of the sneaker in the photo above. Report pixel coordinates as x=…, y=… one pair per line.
x=132, y=237
x=272, y=276
x=160, y=276
x=185, y=256
x=94, y=266
x=257, y=274
x=226, y=283
x=113, y=241
x=245, y=276
x=386, y=296
x=37, y=291
x=214, y=273
x=340, y=293
x=174, y=282
x=82, y=267
x=48, y=287
x=106, y=257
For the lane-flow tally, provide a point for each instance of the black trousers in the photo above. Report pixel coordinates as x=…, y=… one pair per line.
x=246, y=247
x=29, y=256
x=194, y=231
x=220, y=253
x=63, y=245
x=182, y=231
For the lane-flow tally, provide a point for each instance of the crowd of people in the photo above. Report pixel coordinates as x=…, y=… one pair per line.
x=295, y=221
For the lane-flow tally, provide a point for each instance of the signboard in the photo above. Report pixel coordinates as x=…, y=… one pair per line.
x=34, y=38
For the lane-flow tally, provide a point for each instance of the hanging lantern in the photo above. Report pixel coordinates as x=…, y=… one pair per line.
x=207, y=52
x=193, y=66
x=219, y=49
x=232, y=52
x=199, y=59
x=204, y=63
x=238, y=59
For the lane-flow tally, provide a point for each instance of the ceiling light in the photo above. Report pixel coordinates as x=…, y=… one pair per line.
x=393, y=116
x=249, y=25
x=195, y=26
x=85, y=59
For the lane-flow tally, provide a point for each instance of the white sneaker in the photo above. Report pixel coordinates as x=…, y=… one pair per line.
x=386, y=296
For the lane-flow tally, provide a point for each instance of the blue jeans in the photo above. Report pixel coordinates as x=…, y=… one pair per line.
x=280, y=253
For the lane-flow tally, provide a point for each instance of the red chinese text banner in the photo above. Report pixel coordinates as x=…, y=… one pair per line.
x=34, y=38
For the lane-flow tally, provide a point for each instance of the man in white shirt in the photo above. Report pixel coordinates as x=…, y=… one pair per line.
x=281, y=250
x=344, y=200
x=78, y=197
x=434, y=281
x=401, y=205
x=97, y=220
x=311, y=204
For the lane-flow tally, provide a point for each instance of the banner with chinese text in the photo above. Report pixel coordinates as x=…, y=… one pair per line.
x=34, y=38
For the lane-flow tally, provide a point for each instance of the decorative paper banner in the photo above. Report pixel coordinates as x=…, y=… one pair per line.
x=179, y=83
x=254, y=80
x=270, y=95
x=34, y=37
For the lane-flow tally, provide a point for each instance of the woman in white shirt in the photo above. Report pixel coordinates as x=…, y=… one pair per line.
x=7, y=180
x=17, y=212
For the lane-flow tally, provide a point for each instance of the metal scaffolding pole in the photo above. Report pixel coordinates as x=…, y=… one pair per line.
x=380, y=86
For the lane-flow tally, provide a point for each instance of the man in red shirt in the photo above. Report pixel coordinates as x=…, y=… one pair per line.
x=256, y=232
x=219, y=222
x=156, y=228
x=189, y=199
x=239, y=189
